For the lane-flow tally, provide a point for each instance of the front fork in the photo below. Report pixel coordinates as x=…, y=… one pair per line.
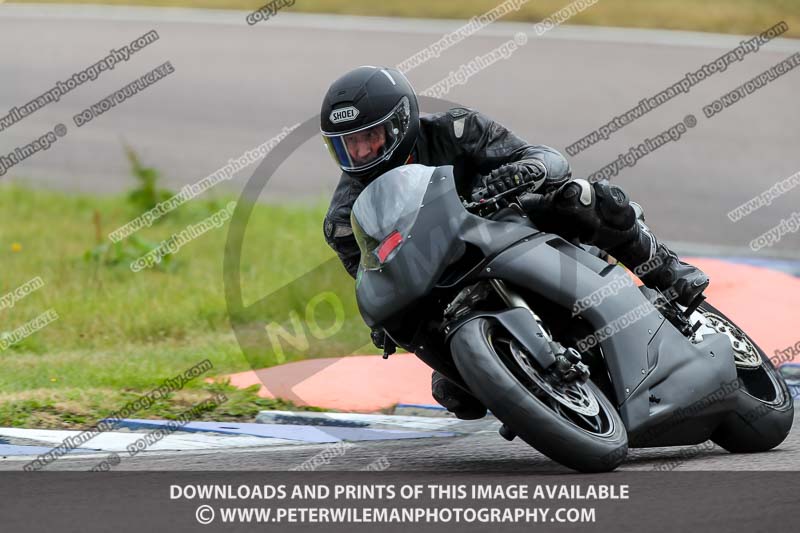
x=513, y=299
x=567, y=365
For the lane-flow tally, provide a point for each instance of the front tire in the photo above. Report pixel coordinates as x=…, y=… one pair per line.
x=764, y=410
x=489, y=362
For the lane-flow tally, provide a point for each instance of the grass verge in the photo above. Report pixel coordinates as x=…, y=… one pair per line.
x=120, y=334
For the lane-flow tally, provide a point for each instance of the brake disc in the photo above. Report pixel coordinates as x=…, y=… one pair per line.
x=574, y=395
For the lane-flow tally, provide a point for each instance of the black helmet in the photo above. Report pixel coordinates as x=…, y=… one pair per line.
x=370, y=121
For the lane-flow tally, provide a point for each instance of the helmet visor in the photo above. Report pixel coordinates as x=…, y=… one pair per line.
x=367, y=146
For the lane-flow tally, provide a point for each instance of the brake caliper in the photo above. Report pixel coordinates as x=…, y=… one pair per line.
x=569, y=367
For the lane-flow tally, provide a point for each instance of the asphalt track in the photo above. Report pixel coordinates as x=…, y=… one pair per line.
x=235, y=86
x=484, y=451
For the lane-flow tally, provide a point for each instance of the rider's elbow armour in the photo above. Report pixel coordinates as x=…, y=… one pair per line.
x=557, y=167
x=558, y=170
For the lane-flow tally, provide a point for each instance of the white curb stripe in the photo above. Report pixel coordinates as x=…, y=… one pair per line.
x=377, y=421
x=118, y=441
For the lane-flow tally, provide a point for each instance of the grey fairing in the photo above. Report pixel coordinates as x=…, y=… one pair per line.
x=522, y=326
x=668, y=407
x=640, y=356
x=436, y=239
x=419, y=262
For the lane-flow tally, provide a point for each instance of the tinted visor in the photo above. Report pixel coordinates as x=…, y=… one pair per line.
x=369, y=145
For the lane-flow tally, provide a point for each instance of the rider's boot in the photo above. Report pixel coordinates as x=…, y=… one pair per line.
x=658, y=266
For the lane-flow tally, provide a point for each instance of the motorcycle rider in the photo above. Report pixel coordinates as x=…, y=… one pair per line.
x=370, y=123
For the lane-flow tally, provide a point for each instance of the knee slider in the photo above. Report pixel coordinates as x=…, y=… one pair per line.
x=638, y=211
x=613, y=206
x=577, y=194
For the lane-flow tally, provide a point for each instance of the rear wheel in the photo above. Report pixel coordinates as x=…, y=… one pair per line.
x=572, y=423
x=764, y=409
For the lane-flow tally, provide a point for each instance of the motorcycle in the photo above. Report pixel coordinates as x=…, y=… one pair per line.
x=478, y=293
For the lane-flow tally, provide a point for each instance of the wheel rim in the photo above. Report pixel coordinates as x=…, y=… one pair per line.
x=757, y=380
x=574, y=402
x=573, y=396
x=744, y=352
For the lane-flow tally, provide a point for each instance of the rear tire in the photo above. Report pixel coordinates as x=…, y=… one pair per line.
x=764, y=410
x=523, y=406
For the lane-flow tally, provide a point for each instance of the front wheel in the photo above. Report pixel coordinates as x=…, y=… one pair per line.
x=573, y=424
x=764, y=409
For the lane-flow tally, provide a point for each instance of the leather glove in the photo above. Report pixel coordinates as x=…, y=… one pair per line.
x=378, y=337
x=515, y=174
x=381, y=340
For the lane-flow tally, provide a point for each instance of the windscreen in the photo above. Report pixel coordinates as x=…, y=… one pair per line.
x=388, y=204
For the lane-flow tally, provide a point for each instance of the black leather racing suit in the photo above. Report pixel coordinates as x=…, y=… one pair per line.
x=471, y=142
